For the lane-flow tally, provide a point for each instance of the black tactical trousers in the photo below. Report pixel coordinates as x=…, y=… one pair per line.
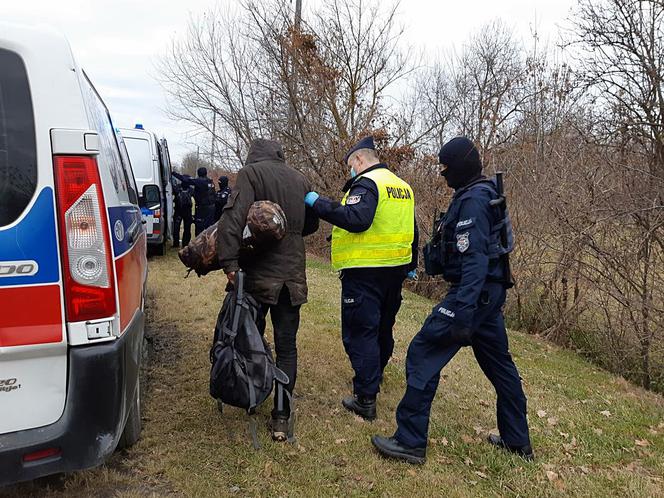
x=285, y=322
x=428, y=354
x=182, y=217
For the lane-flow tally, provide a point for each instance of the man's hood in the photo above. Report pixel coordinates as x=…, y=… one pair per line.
x=264, y=150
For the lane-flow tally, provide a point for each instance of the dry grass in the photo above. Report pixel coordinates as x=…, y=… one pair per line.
x=594, y=434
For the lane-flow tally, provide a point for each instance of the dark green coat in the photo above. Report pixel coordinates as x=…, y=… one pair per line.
x=266, y=176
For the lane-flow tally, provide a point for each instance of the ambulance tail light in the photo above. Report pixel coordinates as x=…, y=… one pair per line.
x=84, y=239
x=157, y=213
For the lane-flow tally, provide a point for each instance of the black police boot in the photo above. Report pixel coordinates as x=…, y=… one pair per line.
x=525, y=452
x=361, y=405
x=390, y=447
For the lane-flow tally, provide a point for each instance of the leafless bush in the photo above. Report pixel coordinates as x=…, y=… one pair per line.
x=581, y=142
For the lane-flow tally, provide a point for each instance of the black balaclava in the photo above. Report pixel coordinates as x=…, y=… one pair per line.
x=202, y=172
x=462, y=160
x=223, y=182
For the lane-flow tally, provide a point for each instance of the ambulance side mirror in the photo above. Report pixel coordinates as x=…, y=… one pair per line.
x=151, y=197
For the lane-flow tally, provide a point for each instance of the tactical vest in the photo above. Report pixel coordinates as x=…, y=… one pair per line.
x=495, y=248
x=441, y=252
x=388, y=241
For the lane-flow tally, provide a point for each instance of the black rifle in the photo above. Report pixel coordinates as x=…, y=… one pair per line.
x=501, y=204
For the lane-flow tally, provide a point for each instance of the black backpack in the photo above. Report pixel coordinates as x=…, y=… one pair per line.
x=243, y=371
x=184, y=197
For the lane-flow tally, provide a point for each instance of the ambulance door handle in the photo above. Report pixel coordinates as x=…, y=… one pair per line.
x=131, y=233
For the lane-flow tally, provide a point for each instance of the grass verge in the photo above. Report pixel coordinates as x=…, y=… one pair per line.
x=594, y=434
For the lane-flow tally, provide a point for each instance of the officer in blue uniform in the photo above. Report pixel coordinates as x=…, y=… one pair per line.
x=472, y=256
x=371, y=296
x=221, y=197
x=203, y=195
x=182, y=202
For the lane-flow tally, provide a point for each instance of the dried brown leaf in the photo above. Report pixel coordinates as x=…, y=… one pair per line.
x=551, y=475
x=467, y=439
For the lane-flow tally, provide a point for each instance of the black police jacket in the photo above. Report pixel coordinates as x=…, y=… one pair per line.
x=471, y=258
x=203, y=188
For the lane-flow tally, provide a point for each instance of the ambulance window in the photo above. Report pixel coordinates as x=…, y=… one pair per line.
x=109, y=154
x=129, y=175
x=18, y=152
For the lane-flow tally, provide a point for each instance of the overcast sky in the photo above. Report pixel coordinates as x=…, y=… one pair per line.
x=118, y=41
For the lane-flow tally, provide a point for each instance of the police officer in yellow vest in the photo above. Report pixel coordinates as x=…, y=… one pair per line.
x=374, y=246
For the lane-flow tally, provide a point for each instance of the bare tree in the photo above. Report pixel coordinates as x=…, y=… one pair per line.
x=579, y=131
x=315, y=87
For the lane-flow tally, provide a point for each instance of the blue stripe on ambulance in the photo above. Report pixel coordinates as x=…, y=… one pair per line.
x=33, y=239
x=122, y=219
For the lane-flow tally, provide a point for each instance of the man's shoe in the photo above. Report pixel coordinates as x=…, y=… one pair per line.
x=525, y=452
x=390, y=447
x=362, y=406
x=279, y=429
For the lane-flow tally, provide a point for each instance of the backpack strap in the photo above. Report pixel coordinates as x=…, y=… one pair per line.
x=239, y=304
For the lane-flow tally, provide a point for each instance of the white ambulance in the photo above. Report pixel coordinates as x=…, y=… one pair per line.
x=73, y=266
x=152, y=166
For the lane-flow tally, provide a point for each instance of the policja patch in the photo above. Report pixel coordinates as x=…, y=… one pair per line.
x=353, y=199
x=463, y=241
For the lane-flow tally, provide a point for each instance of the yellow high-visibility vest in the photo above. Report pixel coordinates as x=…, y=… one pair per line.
x=389, y=239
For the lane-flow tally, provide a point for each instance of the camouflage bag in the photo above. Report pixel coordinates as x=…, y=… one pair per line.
x=266, y=224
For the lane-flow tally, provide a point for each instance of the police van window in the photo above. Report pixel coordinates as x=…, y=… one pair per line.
x=166, y=159
x=160, y=155
x=109, y=155
x=141, y=158
x=18, y=152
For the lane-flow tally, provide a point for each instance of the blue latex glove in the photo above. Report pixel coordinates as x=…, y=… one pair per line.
x=412, y=275
x=311, y=198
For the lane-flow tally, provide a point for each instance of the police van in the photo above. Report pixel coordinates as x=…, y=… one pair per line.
x=73, y=266
x=152, y=167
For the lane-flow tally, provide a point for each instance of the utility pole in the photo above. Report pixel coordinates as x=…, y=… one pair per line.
x=296, y=33
x=298, y=14
x=214, y=132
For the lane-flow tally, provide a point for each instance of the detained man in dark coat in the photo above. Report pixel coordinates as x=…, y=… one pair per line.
x=276, y=277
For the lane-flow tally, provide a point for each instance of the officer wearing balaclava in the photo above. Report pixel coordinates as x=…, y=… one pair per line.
x=472, y=259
